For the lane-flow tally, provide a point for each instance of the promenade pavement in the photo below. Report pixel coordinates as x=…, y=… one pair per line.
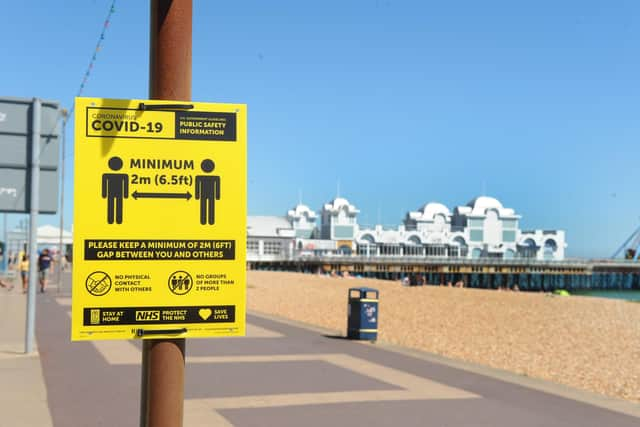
x=23, y=396
x=281, y=374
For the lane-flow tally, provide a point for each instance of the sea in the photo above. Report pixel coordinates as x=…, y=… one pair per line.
x=626, y=295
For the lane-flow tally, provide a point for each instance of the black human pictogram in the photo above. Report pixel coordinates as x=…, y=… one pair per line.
x=115, y=188
x=207, y=191
x=180, y=282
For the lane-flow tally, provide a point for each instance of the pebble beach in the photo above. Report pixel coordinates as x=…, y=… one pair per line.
x=583, y=342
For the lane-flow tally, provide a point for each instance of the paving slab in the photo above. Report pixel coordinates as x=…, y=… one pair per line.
x=23, y=396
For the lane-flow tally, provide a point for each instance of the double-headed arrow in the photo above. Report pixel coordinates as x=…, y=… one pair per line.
x=137, y=195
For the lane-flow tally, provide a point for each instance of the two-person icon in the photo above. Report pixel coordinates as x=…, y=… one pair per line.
x=115, y=188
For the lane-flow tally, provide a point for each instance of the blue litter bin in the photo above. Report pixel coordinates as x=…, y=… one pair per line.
x=362, y=314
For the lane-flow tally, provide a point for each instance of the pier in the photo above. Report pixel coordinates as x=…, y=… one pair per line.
x=527, y=274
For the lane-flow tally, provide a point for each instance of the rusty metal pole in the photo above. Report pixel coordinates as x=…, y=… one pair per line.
x=163, y=360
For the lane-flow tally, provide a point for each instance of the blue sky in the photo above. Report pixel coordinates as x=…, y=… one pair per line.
x=401, y=102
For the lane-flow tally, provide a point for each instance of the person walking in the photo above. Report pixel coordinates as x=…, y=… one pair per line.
x=44, y=262
x=24, y=272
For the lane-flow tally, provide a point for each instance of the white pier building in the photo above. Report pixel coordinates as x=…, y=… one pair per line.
x=481, y=229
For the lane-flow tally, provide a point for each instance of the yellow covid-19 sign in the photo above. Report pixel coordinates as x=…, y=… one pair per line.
x=159, y=219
